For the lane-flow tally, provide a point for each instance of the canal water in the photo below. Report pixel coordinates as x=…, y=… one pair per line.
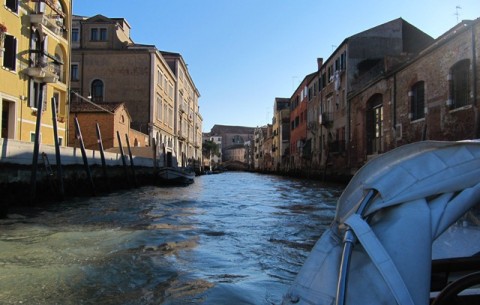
x=231, y=238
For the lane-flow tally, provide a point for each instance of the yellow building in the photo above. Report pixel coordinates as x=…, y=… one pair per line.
x=35, y=68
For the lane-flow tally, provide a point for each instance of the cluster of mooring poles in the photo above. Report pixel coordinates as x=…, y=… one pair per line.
x=57, y=185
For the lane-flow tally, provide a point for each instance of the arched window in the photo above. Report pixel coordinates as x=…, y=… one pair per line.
x=97, y=91
x=460, y=84
x=59, y=62
x=417, y=101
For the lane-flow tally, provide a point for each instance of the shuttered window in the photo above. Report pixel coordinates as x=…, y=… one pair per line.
x=10, y=53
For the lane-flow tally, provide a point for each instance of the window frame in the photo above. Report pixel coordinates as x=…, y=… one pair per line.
x=9, y=60
x=95, y=89
x=12, y=5
x=460, y=84
x=75, y=34
x=74, y=72
x=417, y=101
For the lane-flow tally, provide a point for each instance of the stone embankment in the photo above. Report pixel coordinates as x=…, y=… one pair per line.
x=16, y=187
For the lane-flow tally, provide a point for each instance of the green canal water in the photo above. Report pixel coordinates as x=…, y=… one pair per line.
x=232, y=238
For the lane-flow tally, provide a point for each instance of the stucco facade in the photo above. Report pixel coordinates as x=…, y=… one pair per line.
x=188, y=121
x=34, y=56
x=111, y=68
x=298, y=123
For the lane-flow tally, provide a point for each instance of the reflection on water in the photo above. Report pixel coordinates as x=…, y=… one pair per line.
x=233, y=238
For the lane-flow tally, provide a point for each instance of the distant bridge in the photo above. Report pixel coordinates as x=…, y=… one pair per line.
x=235, y=165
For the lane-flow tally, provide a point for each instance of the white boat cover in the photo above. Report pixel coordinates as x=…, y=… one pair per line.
x=422, y=188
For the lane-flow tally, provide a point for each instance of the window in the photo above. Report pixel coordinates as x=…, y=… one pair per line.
x=37, y=90
x=10, y=53
x=103, y=34
x=94, y=34
x=460, y=84
x=417, y=101
x=374, y=122
x=12, y=5
x=75, y=35
x=159, y=108
x=74, y=72
x=56, y=96
x=159, y=78
x=97, y=91
x=165, y=113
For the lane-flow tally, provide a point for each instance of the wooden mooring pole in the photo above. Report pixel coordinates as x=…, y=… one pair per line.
x=36, y=144
x=61, y=190
x=102, y=156
x=84, y=155
x=132, y=166
x=122, y=153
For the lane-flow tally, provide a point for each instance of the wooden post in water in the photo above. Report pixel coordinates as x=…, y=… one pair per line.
x=131, y=160
x=36, y=145
x=61, y=191
x=102, y=156
x=122, y=153
x=84, y=155
x=154, y=146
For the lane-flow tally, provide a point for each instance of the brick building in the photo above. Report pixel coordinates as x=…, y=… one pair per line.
x=111, y=118
x=357, y=61
x=298, y=124
x=431, y=96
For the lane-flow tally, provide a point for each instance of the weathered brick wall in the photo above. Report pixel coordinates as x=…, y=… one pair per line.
x=441, y=122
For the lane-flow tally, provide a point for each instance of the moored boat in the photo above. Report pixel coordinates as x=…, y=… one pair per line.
x=176, y=175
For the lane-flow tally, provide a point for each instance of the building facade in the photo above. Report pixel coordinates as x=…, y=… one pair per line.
x=432, y=96
x=188, y=121
x=280, y=132
x=298, y=124
x=107, y=66
x=356, y=62
x=112, y=118
x=35, y=57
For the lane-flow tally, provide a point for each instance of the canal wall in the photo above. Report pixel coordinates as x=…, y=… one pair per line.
x=16, y=171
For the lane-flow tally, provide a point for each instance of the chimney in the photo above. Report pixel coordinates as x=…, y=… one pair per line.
x=319, y=63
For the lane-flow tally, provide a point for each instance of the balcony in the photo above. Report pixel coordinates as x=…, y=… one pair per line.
x=43, y=70
x=42, y=20
x=326, y=119
x=182, y=108
x=50, y=16
x=182, y=135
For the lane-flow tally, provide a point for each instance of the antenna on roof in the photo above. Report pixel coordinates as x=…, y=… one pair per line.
x=456, y=11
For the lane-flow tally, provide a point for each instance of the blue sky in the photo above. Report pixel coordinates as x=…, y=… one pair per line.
x=242, y=54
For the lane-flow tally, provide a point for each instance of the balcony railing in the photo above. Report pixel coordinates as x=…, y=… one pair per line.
x=49, y=15
x=182, y=135
x=53, y=23
x=326, y=118
x=42, y=69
